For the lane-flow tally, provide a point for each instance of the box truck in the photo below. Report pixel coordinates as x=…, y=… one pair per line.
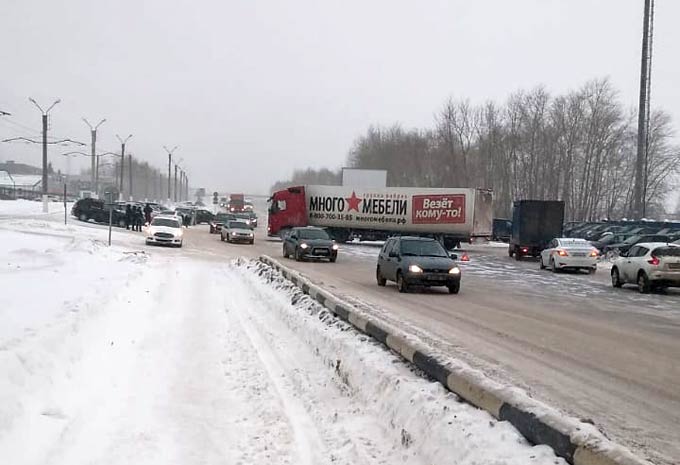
x=452, y=214
x=534, y=224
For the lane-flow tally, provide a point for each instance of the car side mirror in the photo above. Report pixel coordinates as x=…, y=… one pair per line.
x=453, y=256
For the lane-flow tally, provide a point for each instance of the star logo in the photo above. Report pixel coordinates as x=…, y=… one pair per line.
x=353, y=202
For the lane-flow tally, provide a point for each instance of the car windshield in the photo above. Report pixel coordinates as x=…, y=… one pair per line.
x=632, y=239
x=313, y=234
x=666, y=252
x=423, y=248
x=238, y=225
x=167, y=222
x=223, y=217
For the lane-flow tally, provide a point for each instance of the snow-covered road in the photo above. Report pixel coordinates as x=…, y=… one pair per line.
x=115, y=357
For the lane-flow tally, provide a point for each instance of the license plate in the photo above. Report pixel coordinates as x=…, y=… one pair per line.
x=320, y=252
x=579, y=255
x=674, y=266
x=435, y=278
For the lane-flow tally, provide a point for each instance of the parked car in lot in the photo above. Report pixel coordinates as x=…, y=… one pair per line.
x=165, y=230
x=650, y=265
x=237, y=231
x=219, y=220
x=310, y=242
x=417, y=261
x=569, y=254
x=614, y=238
x=625, y=246
x=96, y=210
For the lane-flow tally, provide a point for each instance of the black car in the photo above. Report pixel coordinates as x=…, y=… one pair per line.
x=96, y=210
x=632, y=240
x=615, y=238
x=310, y=242
x=220, y=220
x=417, y=261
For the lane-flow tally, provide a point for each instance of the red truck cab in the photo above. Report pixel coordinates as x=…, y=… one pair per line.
x=287, y=209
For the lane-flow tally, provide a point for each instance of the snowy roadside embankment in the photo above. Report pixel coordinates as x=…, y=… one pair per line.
x=576, y=441
x=22, y=207
x=431, y=424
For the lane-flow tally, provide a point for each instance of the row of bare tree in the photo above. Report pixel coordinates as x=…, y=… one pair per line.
x=579, y=147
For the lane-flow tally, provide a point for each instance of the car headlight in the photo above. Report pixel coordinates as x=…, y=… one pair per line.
x=303, y=246
x=250, y=234
x=454, y=270
x=335, y=247
x=179, y=233
x=415, y=269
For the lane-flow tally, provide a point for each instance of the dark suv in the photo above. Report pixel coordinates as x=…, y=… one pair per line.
x=417, y=261
x=95, y=209
x=309, y=242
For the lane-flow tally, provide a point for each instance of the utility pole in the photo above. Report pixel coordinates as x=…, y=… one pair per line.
x=122, y=162
x=639, y=188
x=170, y=152
x=95, y=160
x=130, y=174
x=44, y=113
x=176, y=182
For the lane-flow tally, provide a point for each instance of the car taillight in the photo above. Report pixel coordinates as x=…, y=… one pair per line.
x=465, y=258
x=562, y=253
x=594, y=253
x=654, y=261
x=525, y=249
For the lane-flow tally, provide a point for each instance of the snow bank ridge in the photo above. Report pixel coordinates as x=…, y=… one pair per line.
x=577, y=442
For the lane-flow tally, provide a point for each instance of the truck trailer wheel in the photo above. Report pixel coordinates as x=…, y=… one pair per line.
x=518, y=255
x=510, y=251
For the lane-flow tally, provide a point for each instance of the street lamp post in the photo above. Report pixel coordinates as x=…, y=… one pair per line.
x=170, y=152
x=122, y=163
x=95, y=161
x=44, y=149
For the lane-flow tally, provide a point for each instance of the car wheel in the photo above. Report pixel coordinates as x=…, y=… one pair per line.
x=518, y=255
x=616, y=279
x=401, y=283
x=643, y=283
x=82, y=217
x=252, y=242
x=379, y=277
x=592, y=270
x=553, y=267
x=222, y=237
x=540, y=262
x=510, y=252
x=298, y=257
x=285, y=252
x=454, y=288
x=333, y=259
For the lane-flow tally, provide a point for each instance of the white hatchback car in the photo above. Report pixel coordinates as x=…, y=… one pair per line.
x=649, y=265
x=567, y=253
x=166, y=230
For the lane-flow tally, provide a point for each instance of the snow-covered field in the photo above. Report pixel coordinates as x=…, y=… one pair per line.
x=113, y=355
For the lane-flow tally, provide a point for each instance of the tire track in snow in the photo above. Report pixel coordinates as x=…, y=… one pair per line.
x=308, y=443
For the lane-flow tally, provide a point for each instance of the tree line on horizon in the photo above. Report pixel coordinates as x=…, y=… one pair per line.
x=579, y=147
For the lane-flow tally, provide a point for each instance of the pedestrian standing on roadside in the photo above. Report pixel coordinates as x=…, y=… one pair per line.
x=128, y=216
x=139, y=219
x=147, y=213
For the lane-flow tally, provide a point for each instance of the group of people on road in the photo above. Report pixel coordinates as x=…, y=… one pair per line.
x=135, y=217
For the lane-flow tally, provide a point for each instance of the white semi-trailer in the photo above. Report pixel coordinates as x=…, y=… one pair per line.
x=454, y=214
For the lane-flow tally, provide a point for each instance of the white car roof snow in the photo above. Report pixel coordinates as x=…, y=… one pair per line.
x=655, y=245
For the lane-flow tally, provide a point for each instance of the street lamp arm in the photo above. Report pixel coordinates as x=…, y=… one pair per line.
x=52, y=106
x=32, y=100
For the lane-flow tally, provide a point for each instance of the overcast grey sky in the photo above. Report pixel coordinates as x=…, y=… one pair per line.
x=251, y=89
